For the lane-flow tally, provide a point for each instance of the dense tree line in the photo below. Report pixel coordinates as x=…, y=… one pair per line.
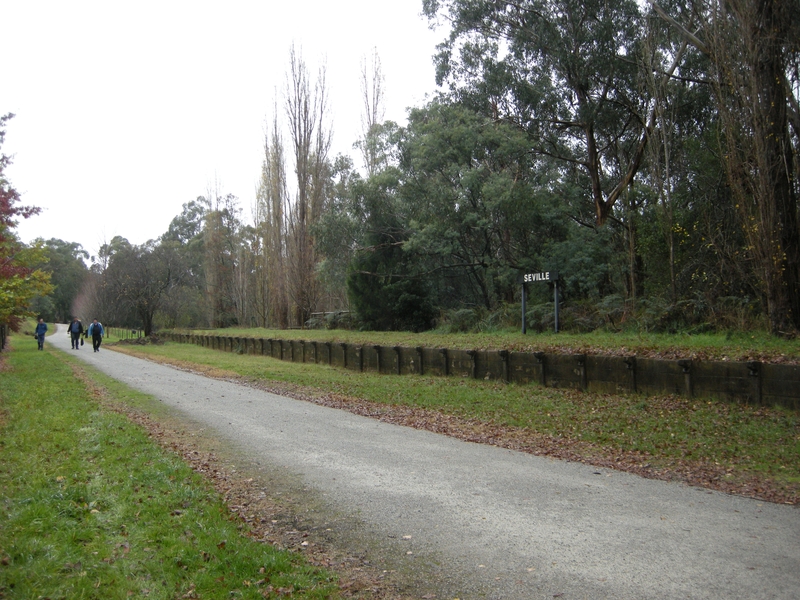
x=646, y=152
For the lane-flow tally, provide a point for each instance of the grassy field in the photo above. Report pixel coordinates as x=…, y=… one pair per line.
x=92, y=508
x=719, y=346
x=752, y=450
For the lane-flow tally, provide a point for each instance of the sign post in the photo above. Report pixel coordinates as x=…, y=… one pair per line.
x=545, y=277
x=555, y=302
x=524, y=309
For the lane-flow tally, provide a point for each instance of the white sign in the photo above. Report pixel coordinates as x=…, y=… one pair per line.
x=532, y=277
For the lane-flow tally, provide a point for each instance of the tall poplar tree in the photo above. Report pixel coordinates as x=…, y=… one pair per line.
x=270, y=216
x=306, y=106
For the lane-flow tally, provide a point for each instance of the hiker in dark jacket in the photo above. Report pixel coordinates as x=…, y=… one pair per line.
x=75, y=331
x=41, y=329
x=96, y=332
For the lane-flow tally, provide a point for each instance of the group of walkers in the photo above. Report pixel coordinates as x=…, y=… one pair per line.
x=95, y=331
x=75, y=331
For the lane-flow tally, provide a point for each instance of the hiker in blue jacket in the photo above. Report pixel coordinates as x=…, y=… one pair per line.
x=96, y=331
x=41, y=329
x=75, y=330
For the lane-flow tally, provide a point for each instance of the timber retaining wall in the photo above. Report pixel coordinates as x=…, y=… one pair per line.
x=749, y=382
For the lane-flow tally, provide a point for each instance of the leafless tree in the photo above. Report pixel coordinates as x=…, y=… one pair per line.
x=306, y=112
x=373, y=107
x=271, y=202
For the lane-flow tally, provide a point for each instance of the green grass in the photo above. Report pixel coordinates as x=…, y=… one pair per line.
x=717, y=346
x=91, y=508
x=748, y=441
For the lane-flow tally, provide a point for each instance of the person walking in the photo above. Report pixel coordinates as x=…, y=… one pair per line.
x=75, y=331
x=41, y=329
x=96, y=332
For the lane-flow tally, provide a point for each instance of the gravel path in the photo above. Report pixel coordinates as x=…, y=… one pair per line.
x=488, y=522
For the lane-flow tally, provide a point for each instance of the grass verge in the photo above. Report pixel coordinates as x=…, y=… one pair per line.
x=753, y=451
x=732, y=345
x=92, y=508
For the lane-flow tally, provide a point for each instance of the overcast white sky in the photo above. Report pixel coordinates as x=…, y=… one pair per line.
x=124, y=113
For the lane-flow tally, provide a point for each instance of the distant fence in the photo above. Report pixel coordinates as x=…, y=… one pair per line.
x=750, y=382
x=124, y=333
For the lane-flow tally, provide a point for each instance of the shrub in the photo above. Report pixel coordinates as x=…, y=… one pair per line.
x=460, y=320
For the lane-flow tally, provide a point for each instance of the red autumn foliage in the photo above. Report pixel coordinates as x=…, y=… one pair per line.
x=10, y=212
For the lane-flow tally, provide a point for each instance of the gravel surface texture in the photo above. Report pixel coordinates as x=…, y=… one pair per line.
x=475, y=521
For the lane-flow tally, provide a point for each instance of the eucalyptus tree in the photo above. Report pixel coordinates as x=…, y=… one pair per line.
x=387, y=285
x=449, y=221
x=97, y=297
x=752, y=47
x=108, y=250
x=186, y=304
x=604, y=87
x=338, y=232
x=361, y=238
x=135, y=282
x=478, y=204
x=360, y=233
x=565, y=71
x=65, y=262
x=187, y=227
x=221, y=240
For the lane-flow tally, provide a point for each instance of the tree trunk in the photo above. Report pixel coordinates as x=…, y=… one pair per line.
x=760, y=154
